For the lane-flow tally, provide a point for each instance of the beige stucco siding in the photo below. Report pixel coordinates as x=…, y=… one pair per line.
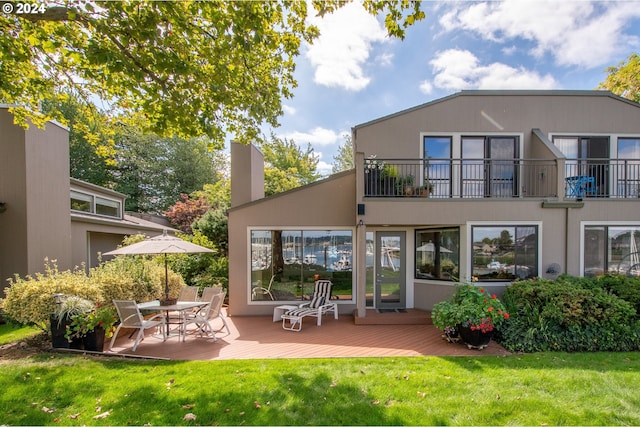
x=327, y=203
x=398, y=136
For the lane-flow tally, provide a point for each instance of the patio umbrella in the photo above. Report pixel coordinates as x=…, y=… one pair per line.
x=163, y=244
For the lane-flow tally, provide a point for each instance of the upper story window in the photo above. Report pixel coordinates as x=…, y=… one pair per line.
x=89, y=203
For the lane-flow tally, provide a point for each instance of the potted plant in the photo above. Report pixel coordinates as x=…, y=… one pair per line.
x=424, y=190
x=473, y=312
x=67, y=306
x=445, y=316
x=92, y=326
x=372, y=169
x=404, y=185
x=388, y=179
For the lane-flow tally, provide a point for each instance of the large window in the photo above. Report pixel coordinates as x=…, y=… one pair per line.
x=489, y=167
x=504, y=252
x=587, y=156
x=438, y=254
x=610, y=248
x=286, y=263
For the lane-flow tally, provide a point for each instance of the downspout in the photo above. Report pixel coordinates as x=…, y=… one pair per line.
x=361, y=236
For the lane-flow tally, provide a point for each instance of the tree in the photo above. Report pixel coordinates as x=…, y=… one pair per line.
x=624, y=80
x=190, y=68
x=184, y=213
x=154, y=171
x=287, y=166
x=344, y=159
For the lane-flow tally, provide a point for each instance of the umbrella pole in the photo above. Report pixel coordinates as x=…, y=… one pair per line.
x=166, y=278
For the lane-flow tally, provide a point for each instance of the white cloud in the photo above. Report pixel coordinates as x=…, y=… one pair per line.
x=426, y=87
x=317, y=136
x=460, y=69
x=324, y=168
x=582, y=33
x=344, y=45
x=384, y=59
x=288, y=109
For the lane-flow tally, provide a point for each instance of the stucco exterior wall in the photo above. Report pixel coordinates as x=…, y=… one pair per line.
x=329, y=202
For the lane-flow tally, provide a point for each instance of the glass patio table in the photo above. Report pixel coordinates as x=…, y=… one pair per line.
x=182, y=307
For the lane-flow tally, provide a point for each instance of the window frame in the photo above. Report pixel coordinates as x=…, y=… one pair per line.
x=415, y=252
x=301, y=229
x=606, y=225
x=497, y=224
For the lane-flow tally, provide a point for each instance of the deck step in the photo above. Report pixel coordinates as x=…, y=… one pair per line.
x=409, y=316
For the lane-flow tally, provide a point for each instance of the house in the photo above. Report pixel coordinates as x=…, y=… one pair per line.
x=489, y=186
x=46, y=214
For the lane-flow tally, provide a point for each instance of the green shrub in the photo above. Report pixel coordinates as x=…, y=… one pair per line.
x=29, y=300
x=569, y=314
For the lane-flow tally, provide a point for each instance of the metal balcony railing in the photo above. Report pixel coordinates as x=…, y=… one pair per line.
x=460, y=178
x=501, y=179
x=602, y=178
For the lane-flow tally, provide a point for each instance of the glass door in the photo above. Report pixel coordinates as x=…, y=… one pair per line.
x=390, y=271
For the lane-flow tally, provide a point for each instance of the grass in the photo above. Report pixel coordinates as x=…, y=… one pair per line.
x=11, y=332
x=535, y=389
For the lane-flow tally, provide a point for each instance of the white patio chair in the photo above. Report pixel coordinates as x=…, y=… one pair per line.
x=130, y=317
x=203, y=318
x=319, y=305
x=209, y=292
x=188, y=293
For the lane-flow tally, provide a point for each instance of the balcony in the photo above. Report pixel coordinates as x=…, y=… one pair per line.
x=501, y=179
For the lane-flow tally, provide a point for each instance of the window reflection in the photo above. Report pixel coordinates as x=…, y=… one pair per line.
x=505, y=253
x=438, y=254
x=286, y=263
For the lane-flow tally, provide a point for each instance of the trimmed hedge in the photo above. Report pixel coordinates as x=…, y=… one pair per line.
x=572, y=314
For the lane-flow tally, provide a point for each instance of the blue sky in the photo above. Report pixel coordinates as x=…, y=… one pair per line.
x=354, y=73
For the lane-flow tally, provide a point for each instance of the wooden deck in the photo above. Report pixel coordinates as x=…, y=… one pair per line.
x=261, y=338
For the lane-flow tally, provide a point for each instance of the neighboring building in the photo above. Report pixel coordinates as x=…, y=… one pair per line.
x=490, y=186
x=36, y=221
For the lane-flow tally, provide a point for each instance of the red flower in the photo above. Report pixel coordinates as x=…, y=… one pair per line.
x=490, y=309
x=506, y=315
x=481, y=290
x=494, y=296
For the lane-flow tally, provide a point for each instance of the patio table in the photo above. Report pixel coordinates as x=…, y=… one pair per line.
x=180, y=306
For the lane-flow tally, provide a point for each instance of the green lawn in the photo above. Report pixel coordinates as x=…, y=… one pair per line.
x=11, y=332
x=536, y=389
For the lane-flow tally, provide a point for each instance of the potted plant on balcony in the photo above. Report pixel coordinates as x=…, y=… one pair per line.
x=473, y=313
x=424, y=190
x=388, y=179
x=372, y=169
x=404, y=185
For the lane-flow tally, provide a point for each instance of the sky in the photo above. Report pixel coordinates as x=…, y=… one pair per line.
x=354, y=73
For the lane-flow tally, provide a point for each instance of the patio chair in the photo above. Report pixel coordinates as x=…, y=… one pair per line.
x=209, y=292
x=262, y=291
x=130, y=317
x=188, y=293
x=318, y=306
x=203, y=318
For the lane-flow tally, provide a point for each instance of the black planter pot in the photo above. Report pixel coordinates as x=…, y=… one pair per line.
x=58, y=329
x=474, y=339
x=372, y=183
x=94, y=340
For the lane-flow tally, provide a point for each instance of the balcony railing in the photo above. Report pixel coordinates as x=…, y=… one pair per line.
x=501, y=179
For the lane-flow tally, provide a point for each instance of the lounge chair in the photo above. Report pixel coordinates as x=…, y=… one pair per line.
x=318, y=306
x=130, y=317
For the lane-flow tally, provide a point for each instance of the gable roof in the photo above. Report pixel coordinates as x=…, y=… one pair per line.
x=503, y=93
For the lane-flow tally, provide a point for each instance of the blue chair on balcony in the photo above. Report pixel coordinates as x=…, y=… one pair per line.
x=579, y=186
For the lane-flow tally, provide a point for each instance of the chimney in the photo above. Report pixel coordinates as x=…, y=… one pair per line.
x=247, y=174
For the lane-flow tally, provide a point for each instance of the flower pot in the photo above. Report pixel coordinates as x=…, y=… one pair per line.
x=372, y=183
x=474, y=339
x=58, y=329
x=94, y=340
